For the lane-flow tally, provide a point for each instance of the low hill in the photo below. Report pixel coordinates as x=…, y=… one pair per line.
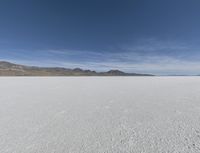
x=10, y=69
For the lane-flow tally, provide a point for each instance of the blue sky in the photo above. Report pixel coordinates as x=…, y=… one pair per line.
x=145, y=36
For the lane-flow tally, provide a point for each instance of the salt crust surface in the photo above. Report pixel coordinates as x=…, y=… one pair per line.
x=100, y=114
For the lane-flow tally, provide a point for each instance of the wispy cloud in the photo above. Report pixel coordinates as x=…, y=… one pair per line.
x=147, y=56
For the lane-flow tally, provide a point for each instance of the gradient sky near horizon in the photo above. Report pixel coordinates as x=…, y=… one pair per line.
x=143, y=36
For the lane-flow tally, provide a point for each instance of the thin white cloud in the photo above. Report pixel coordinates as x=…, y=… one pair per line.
x=155, y=65
x=129, y=59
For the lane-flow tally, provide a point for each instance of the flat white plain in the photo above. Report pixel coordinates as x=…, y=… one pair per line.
x=99, y=114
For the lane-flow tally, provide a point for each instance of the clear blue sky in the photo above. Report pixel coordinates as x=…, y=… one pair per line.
x=146, y=36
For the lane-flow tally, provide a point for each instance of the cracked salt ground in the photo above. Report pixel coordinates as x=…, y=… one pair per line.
x=100, y=114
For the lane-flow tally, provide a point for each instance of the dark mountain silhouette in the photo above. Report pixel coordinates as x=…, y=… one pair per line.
x=10, y=69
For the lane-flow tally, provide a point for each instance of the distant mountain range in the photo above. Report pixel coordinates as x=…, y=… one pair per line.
x=10, y=69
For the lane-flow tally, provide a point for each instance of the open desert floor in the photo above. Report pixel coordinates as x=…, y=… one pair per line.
x=100, y=114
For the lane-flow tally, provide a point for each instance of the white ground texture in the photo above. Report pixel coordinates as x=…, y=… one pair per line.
x=99, y=114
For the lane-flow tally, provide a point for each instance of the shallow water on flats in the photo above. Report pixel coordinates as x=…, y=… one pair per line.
x=99, y=114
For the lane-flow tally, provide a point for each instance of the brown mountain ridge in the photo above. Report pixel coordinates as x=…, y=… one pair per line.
x=11, y=69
